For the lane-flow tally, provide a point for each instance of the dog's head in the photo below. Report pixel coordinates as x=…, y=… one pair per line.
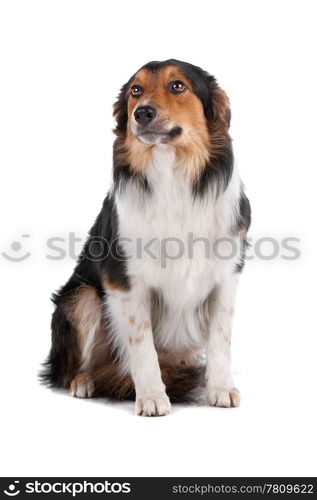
x=176, y=103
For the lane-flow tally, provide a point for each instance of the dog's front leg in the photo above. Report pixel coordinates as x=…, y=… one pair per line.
x=130, y=313
x=220, y=386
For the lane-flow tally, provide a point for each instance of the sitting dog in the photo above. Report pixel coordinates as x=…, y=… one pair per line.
x=147, y=312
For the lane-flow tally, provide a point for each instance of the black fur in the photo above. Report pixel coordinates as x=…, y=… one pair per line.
x=102, y=254
x=104, y=235
x=101, y=257
x=216, y=174
x=242, y=225
x=64, y=357
x=244, y=220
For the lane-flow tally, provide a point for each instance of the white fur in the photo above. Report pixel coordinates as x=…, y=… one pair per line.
x=189, y=315
x=130, y=314
x=88, y=347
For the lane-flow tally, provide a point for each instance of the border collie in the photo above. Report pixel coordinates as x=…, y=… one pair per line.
x=147, y=312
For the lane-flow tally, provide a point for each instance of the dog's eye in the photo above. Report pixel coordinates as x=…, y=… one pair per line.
x=136, y=90
x=176, y=87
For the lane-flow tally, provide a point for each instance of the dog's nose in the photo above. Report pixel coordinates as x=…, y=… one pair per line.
x=144, y=115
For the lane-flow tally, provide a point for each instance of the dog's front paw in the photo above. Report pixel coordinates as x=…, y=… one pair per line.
x=223, y=396
x=153, y=405
x=82, y=386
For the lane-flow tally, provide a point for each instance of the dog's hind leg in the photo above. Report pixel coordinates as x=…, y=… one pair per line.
x=85, y=312
x=75, y=321
x=82, y=386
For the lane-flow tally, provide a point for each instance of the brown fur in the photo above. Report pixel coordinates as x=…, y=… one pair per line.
x=82, y=379
x=219, y=126
x=137, y=340
x=145, y=325
x=193, y=146
x=181, y=380
x=111, y=286
x=132, y=320
x=83, y=310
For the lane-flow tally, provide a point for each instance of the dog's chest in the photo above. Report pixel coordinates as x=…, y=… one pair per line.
x=169, y=237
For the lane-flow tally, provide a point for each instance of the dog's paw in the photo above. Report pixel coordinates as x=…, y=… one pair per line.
x=223, y=396
x=153, y=405
x=82, y=386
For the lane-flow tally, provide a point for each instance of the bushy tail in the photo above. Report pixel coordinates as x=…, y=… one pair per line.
x=63, y=360
x=183, y=383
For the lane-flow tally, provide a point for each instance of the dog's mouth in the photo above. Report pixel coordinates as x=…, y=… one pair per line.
x=155, y=136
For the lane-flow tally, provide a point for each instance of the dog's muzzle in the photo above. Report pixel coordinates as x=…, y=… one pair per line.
x=149, y=130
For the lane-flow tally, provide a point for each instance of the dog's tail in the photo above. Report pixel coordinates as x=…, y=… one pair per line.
x=183, y=383
x=63, y=361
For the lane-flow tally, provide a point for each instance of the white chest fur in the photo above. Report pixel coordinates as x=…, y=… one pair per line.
x=170, y=240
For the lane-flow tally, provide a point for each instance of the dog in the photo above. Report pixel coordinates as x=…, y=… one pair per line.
x=147, y=313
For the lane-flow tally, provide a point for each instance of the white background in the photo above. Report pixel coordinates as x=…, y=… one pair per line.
x=62, y=64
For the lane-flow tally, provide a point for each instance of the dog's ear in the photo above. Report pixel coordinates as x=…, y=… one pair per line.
x=220, y=106
x=120, y=111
